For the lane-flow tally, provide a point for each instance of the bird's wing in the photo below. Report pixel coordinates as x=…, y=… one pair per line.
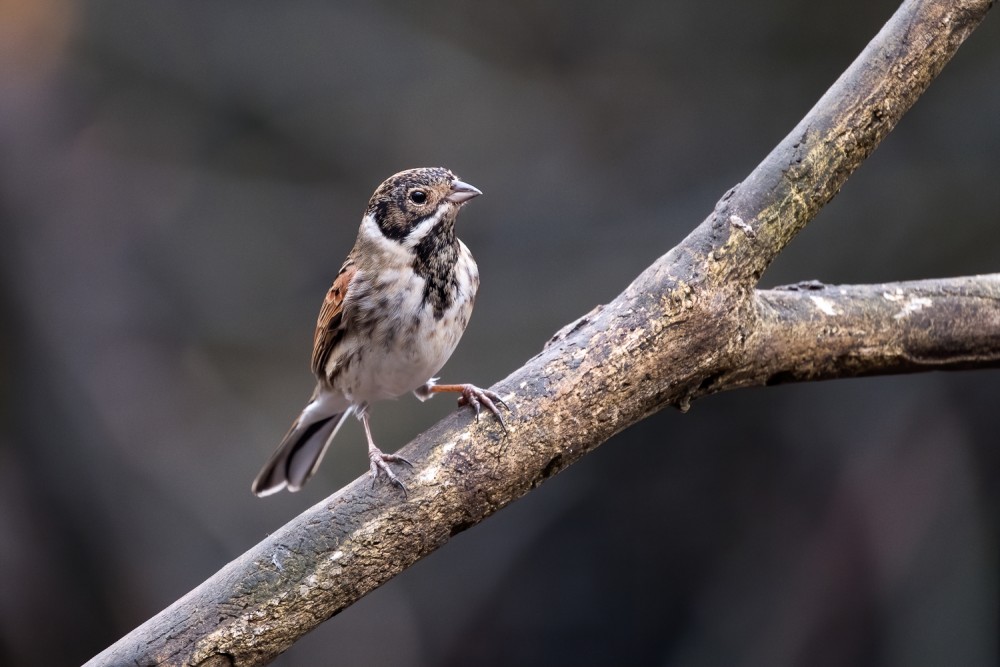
x=330, y=324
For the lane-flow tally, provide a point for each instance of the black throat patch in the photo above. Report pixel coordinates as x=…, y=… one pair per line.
x=434, y=260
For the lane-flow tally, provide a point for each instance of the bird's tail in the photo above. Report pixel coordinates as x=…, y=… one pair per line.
x=300, y=452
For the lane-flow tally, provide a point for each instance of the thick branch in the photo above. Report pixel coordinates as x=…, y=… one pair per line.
x=807, y=169
x=817, y=332
x=675, y=333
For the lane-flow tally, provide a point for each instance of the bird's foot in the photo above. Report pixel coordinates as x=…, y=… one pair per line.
x=477, y=398
x=380, y=464
x=470, y=395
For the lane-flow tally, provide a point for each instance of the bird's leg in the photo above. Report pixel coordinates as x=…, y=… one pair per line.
x=379, y=460
x=470, y=395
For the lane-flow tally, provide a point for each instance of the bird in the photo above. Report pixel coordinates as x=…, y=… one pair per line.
x=392, y=318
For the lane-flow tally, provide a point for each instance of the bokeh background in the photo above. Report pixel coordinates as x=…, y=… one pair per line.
x=179, y=182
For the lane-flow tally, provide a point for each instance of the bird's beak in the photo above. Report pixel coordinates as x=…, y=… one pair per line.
x=462, y=192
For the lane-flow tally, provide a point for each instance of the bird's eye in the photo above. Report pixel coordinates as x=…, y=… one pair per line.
x=418, y=196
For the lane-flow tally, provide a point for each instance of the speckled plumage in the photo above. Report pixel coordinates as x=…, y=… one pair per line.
x=394, y=314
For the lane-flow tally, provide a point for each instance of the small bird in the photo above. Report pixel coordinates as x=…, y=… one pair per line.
x=393, y=316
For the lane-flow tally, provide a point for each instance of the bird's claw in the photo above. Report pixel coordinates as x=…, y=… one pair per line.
x=380, y=463
x=477, y=398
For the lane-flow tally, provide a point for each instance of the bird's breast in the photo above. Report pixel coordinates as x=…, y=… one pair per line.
x=403, y=333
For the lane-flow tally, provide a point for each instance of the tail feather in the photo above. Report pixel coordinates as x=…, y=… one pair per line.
x=299, y=454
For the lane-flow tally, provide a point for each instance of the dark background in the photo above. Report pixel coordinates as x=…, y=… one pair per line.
x=179, y=183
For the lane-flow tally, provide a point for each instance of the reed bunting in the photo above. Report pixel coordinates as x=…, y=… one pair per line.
x=388, y=324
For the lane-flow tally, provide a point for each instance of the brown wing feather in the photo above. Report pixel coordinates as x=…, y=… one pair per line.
x=329, y=329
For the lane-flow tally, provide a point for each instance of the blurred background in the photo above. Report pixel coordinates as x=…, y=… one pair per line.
x=179, y=183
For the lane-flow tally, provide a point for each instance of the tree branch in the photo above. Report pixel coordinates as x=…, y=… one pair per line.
x=689, y=325
x=807, y=169
x=817, y=332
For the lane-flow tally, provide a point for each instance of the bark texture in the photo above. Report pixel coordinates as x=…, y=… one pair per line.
x=690, y=325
